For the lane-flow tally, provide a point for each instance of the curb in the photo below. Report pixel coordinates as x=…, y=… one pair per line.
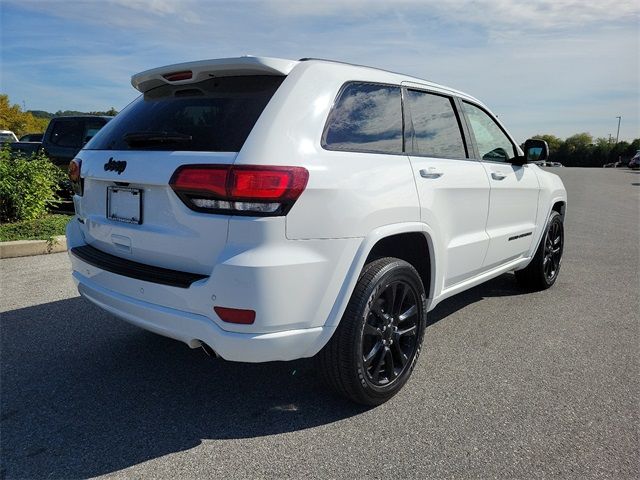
x=27, y=248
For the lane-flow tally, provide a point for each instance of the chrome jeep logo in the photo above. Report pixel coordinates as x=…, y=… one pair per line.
x=115, y=166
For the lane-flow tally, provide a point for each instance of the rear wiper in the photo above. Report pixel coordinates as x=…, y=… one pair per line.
x=138, y=138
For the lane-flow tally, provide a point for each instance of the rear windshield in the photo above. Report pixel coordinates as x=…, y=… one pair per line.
x=215, y=115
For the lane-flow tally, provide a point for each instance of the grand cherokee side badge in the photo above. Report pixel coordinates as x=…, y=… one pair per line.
x=115, y=166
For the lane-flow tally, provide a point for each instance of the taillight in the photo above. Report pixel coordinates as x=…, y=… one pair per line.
x=73, y=171
x=241, y=189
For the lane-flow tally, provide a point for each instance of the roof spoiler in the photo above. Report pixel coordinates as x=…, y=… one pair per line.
x=191, y=72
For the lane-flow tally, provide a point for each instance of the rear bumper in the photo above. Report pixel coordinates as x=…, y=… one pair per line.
x=193, y=329
x=291, y=285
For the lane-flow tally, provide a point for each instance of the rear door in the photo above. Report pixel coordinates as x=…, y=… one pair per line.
x=514, y=189
x=453, y=188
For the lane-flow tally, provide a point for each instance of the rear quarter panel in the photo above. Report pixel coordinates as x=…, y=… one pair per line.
x=348, y=194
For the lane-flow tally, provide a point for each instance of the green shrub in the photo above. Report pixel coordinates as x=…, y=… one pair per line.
x=45, y=228
x=28, y=186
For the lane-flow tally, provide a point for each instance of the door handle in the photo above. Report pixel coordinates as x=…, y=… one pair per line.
x=430, y=173
x=498, y=176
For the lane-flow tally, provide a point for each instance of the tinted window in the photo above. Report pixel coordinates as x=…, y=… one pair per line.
x=493, y=143
x=67, y=133
x=436, y=130
x=31, y=137
x=215, y=115
x=367, y=117
x=91, y=128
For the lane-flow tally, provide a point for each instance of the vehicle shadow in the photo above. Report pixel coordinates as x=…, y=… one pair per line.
x=84, y=394
x=503, y=286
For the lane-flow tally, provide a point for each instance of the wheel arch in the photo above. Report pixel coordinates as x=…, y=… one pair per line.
x=392, y=240
x=410, y=247
x=558, y=203
x=560, y=207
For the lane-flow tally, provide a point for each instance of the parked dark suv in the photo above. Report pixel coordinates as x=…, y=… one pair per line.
x=65, y=136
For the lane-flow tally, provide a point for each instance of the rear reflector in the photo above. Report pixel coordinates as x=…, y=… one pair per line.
x=177, y=76
x=235, y=315
x=241, y=189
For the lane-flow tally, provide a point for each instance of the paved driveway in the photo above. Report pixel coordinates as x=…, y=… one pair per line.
x=509, y=385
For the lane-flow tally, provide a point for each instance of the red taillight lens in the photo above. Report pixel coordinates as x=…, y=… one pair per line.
x=253, y=183
x=177, y=76
x=240, y=190
x=236, y=315
x=209, y=180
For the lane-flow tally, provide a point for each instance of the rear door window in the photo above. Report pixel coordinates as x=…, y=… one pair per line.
x=436, y=130
x=367, y=117
x=215, y=115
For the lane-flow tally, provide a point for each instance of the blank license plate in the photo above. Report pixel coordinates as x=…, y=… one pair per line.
x=124, y=204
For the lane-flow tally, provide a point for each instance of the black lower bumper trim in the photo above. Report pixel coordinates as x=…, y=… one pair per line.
x=139, y=271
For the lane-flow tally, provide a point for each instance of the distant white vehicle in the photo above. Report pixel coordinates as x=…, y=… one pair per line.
x=269, y=209
x=7, y=136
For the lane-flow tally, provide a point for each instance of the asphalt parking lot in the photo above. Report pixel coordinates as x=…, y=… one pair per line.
x=509, y=384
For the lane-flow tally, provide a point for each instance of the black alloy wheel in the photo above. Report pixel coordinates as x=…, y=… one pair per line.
x=542, y=272
x=553, y=245
x=390, y=333
x=376, y=345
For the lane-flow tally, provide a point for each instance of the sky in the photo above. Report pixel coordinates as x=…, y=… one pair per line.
x=543, y=66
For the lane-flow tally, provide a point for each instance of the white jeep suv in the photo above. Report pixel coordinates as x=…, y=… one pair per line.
x=268, y=209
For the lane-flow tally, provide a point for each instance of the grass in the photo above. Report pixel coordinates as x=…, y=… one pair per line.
x=44, y=228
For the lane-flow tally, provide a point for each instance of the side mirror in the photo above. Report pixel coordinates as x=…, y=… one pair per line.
x=535, y=150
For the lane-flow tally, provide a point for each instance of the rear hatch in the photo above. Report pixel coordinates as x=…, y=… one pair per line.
x=127, y=205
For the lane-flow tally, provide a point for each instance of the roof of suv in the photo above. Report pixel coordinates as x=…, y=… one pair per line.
x=249, y=65
x=78, y=117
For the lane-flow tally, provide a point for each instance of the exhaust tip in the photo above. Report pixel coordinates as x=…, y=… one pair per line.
x=208, y=350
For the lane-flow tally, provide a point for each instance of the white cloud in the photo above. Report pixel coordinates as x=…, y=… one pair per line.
x=541, y=65
x=158, y=7
x=494, y=14
x=136, y=14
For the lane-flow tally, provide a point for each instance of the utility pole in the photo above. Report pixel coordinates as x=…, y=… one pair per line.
x=609, y=139
x=618, y=134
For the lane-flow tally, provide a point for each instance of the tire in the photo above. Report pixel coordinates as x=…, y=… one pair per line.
x=384, y=321
x=543, y=270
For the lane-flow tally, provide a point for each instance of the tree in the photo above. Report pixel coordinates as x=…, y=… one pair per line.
x=620, y=150
x=576, y=150
x=601, y=152
x=13, y=118
x=578, y=142
x=554, y=142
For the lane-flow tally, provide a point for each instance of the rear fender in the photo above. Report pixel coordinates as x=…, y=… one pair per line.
x=362, y=253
